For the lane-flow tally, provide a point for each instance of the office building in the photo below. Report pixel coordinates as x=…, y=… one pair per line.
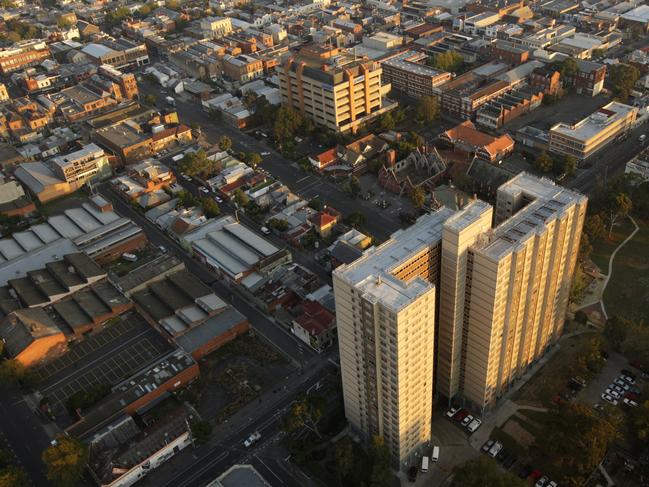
x=584, y=138
x=454, y=299
x=333, y=87
x=408, y=74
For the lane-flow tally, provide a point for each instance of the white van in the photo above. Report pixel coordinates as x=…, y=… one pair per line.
x=424, y=464
x=435, y=456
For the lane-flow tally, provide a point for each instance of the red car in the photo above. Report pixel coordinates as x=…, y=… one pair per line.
x=632, y=395
x=460, y=415
x=536, y=475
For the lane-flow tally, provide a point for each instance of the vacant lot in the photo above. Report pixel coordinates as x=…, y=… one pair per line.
x=234, y=375
x=627, y=292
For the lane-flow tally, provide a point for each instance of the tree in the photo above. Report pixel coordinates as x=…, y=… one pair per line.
x=381, y=475
x=12, y=373
x=344, y=457
x=565, y=164
x=418, y=197
x=278, y=224
x=198, y=164
x=65, y=461
x=149, y=99
x=574, y=440
x=201, y=431
x=253, y=159
x=585, y=247
x=386, y=122
x=619, y=206
x=622, y=79
x=640, y=421
x=210, y=207
x=616, y=330
x=306, y=413
x=595, y=227
x=241, y=198
x=186, y=199
x=316, y=204
x=483, y=472
x=448, y=61
x=427, y=109
x=225, y=143
x=597, y=53
x=568, y=68
x=543, y=162
x=356, y=219
x=578, y=285
x=287, y=123
x=13, y=477
x=354, y=186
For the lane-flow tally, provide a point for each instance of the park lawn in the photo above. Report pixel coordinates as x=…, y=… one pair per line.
x=553, y=377
x=602, y=249
x=628, y=289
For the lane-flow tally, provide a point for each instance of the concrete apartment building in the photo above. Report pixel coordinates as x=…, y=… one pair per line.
x=584, y=138
x=408, y=74
x=334, y=88
x=501, y=297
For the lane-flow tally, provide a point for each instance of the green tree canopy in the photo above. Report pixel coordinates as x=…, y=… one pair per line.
x=287, y=124
x=198, y=164
x=595, y=227
x=306, y=413
x=616, y=330
x=201, y=431
x=543, y=162
x=278, y=224
x=565, y=164
x=210, y=207
x=241, y=198
x=253, y=159
x=386, y=122
x=569, y=67
x=13, y=477
x=225, y=143
x=381, y=474
x=418, y=197
x=622, y=79
x=619, y=206
x=65, y=461
x=450, y=61
x=483, y=472
x=574, y=441
x=427, y=109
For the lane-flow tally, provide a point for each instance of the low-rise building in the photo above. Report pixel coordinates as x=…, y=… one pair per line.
x=588, y=79
x=315, y=326
x=64, y=174
x=639, y=166
x=584, y=138
x=466, y=139
x=422, y=168
x=13, y=201
x=408, y=74
x=22, y=54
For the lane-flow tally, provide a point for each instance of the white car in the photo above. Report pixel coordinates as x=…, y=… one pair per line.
x=265, y=153
x=203, y=189
x=252, y=439
x=541, y=482
x=185, y=177
x=630, y=402
x=467, y=420
x=552, y=484
x=218, y=200
x=609, y=399
x=495, y=449
x=451, y=412
x=628, y=379
x=474, y=425
x=487, y=446
x=622, y=384
x=265, y=231
x=613, y=393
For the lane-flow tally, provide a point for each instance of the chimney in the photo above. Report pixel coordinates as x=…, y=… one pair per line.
x=391, y=157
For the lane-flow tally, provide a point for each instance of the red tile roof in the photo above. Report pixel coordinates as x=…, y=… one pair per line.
x=322, y=219
x=315, y=318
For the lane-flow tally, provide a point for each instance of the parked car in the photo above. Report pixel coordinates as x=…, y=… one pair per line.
x=629, y=402
x=628, y=373
x=495, y=449
x=265, y=230
x=621, y=383
x=203, y=189
x=612, y=393
x=541, y=482
x=632, y=395
x=609, y=399
x=474, y=425
x=265, y=153
x=460, y=415
x=552, y=483
x=185, y=176
x=628, y=379
x=467, y=420
x=524, y=472
x=218, y=199
x=412, y=474
x=487, y=446
x=509, y=461
x=252, y=439
x=451, y=412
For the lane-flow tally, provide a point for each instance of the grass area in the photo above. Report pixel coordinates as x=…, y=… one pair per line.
x=628, y=290
x=603, y=249
x=555, y=374
x=59, y=205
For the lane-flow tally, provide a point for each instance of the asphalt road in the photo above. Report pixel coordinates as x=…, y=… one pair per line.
x=24, y=432
x=287, y=343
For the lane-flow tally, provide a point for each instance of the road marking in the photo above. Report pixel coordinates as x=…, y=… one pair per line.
x=302, y=179
x=269, y=469
x=203, y=468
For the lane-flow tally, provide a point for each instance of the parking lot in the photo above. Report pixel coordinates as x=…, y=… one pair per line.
x=106, y=358
x=592, y=393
